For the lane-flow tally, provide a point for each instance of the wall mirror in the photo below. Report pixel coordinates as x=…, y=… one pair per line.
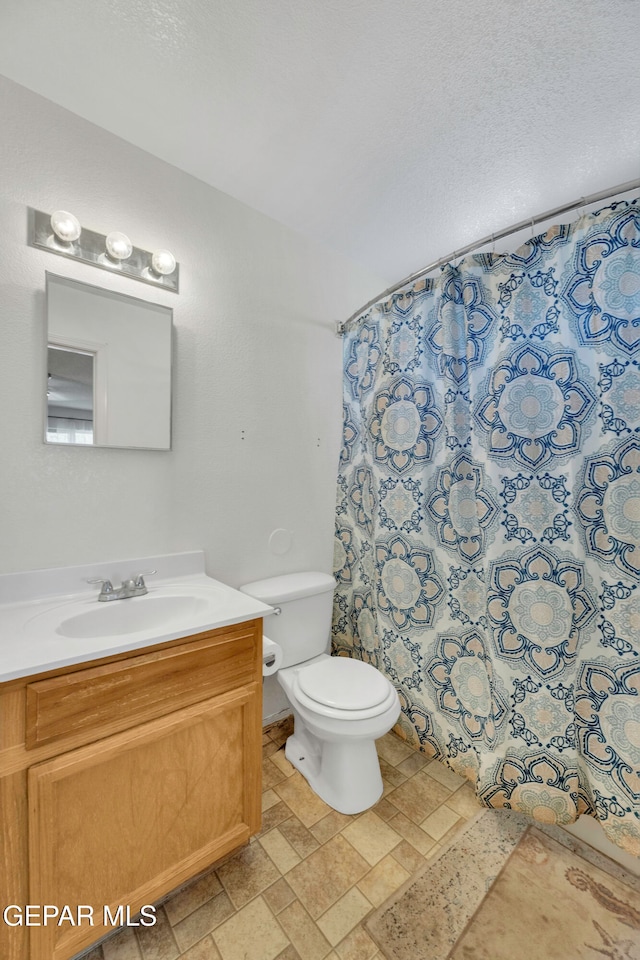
x=108, y=368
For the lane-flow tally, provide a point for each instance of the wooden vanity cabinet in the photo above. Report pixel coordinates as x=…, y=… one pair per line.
x=122, y=778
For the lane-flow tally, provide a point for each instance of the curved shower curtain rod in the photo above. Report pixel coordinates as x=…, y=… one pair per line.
x=514, y=228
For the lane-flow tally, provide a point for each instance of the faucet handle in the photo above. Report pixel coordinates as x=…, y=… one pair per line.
x=107, y=586
x=139, y=579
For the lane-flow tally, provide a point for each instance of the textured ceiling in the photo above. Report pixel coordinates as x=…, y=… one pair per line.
x=392, y=130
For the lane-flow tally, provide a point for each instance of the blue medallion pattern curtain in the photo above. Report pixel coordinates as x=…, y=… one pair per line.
x=487, y=549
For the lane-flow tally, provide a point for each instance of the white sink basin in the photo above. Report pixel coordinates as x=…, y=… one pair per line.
x=51, y=619
x=136, y=615
x=163, y=613
x=165, y=609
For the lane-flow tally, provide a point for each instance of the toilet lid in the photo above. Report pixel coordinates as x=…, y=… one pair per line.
x=343, y=683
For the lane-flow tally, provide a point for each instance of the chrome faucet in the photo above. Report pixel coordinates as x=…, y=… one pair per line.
x=135, y=587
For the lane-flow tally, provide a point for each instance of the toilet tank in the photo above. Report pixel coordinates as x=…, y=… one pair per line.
x=303, y=628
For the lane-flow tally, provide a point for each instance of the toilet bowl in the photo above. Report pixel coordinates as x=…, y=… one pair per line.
x=333, y=743
x=341, y=706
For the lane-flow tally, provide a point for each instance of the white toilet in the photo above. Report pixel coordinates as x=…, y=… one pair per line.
x=340, y=706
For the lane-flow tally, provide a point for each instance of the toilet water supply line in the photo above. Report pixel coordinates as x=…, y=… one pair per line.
x=514, y=228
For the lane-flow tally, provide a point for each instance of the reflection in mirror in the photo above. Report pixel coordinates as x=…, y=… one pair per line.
x=69, y=396
x=108, y=368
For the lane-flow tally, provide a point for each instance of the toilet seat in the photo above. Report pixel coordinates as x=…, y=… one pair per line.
x=340, y=680
x=343, y=683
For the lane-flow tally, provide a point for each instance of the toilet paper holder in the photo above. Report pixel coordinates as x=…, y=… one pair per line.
x=272, y=657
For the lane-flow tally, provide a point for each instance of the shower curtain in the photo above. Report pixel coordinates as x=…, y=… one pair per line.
x=487, y=551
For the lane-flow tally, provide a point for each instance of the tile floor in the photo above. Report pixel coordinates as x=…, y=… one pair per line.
x=301, y=888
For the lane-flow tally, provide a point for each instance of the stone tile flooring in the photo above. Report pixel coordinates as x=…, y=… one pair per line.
x=301, y=889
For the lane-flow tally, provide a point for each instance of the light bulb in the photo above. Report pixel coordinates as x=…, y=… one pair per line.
x=163, y=262
x=118, y=245
x=65, y=226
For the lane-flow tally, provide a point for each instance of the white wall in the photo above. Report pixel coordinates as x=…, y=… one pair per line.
x=257, y=393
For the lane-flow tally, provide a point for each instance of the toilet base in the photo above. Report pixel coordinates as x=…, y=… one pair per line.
x=345, y=774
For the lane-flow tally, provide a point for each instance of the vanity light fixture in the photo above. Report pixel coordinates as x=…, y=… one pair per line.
x=62, y=234
x=163, y=263
x=118, y=245
x=65, y=226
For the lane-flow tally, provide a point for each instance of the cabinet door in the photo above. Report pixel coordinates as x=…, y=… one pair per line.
x=125, y=820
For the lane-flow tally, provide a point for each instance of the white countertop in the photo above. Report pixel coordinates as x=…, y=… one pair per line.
x=45, y=615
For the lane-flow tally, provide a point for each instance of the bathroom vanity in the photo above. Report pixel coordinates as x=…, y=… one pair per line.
x=123, y=775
